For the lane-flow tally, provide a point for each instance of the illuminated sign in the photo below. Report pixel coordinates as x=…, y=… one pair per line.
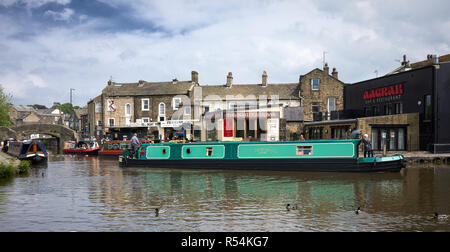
x=384, y=92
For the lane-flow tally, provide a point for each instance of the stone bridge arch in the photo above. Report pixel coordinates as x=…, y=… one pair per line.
x=20, y=132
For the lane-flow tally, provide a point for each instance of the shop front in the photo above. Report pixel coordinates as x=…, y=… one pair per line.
x=422, y=94
x=242, y=126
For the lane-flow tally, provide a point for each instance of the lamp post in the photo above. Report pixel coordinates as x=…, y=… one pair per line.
x=71, y=89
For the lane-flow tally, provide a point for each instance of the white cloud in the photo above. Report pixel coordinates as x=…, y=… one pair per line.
x=32, y=3
x=285, y=38
x=64, y=15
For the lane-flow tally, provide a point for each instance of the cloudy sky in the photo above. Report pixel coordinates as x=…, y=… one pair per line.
x=50, y=46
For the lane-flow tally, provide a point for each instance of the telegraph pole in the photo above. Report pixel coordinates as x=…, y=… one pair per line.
x=71, y=89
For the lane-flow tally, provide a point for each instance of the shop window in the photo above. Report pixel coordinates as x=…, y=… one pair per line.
x=375, y=139
x=315, y=84
x=304, y=150
x=401, y=139
x=394, y=138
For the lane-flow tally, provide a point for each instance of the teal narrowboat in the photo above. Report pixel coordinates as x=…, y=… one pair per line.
x=317, y=155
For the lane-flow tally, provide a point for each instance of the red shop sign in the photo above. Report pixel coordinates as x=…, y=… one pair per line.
x=383, y=92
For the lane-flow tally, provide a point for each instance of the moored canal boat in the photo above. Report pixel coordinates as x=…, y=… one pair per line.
x=33, y=150
x=317, y=155
x=81, y=147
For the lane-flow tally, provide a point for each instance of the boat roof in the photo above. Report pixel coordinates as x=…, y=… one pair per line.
x=261, y=142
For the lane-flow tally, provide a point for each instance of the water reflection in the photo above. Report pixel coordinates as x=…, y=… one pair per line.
x=93, y=194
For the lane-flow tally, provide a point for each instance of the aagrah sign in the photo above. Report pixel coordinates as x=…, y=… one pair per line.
x=384, y=94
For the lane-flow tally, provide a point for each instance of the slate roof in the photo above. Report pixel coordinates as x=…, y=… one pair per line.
x=80, y=112
x=148, y=88
x=21, y=108
x=286, y=91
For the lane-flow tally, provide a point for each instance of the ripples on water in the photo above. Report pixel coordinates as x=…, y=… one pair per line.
x=78, y=193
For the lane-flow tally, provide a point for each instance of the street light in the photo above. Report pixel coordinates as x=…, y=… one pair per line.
x=71, y=89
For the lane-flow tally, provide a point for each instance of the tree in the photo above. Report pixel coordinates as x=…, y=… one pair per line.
x=38, y=106
x=5, y=102
x=65, y=108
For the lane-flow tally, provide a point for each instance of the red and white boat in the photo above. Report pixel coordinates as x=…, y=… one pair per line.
x=116, y=147
x=81, y=147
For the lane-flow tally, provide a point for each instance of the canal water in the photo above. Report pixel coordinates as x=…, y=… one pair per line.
x=79, y=193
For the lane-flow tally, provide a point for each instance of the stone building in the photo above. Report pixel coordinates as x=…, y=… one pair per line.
x=76, y=120
x=18, y=113
x=95, y=116
x=261, y=111
x=238, y=112
x=321, y=93
x=146, y=108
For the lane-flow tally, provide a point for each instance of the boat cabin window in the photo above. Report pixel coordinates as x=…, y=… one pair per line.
x=304, y=150
x=209, y=151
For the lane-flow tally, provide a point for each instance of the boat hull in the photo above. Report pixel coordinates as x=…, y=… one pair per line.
x=322, y=165
x=35, y=159
x=81, y=152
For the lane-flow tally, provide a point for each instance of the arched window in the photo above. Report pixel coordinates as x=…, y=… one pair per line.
x=128, y=109
x=162, y=112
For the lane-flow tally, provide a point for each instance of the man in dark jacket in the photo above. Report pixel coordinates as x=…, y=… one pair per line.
x=367, y=146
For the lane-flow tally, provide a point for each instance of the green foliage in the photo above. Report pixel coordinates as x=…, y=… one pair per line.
x=6, y=171
x=24, y=167
x=38, y=106
x=4, y=108
x=66, y=108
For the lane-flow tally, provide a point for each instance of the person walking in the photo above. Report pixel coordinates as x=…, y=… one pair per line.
x=135, y=145
x=367, y=146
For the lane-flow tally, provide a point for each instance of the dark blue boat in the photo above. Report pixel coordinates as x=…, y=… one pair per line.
x=33, y=150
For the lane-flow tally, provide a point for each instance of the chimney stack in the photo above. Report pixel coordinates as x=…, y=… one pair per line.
x=334, y=73
x=264, y=79
x=326, y=69
x=229, y=79
x=194, y=76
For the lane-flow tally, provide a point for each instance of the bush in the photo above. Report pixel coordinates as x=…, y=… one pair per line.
x=6, y=171
x=23, y=167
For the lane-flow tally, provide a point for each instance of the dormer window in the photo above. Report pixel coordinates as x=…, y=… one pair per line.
x=315, y=84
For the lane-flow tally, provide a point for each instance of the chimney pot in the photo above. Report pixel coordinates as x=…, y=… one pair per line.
x=194, y=76
x=326, y=69
x=229, y=79
x=334, y=73
x=264, y=79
